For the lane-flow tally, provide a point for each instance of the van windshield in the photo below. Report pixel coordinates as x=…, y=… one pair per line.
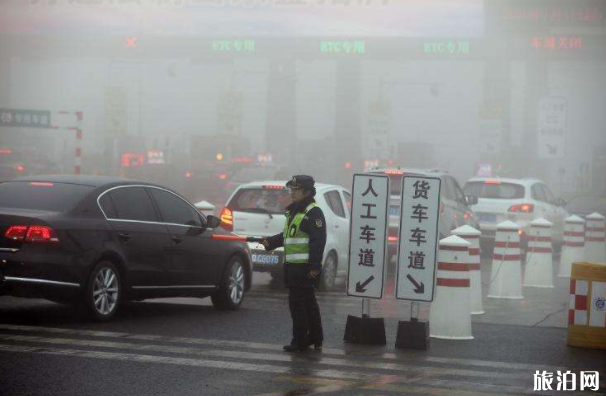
x=261, y=200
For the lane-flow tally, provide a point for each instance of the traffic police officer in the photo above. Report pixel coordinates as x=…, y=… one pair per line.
x=304, y=238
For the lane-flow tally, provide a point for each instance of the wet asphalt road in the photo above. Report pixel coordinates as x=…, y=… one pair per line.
x=185, y=347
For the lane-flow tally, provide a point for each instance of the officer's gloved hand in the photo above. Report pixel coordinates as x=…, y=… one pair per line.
x=265, y=244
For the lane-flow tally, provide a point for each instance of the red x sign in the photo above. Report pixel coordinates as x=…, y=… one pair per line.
x=131, y=42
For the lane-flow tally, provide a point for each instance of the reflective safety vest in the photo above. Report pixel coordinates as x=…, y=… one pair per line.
x=296, y=242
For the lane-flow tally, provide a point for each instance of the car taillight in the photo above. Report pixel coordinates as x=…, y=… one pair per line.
x=227, y=219
x=16, y=233
x=32, y=234
x=20, y=168
x=522, y=208
x=392, y=238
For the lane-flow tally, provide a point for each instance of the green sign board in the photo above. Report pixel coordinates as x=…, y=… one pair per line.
x=24, y=118
x=233, y=45
x=343, y=47
x=451, y=47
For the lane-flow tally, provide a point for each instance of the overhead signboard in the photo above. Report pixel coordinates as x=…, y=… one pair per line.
x=244, y=18
x=368, y=235
x=552, y=128
x=24, y=118
x=418, y=238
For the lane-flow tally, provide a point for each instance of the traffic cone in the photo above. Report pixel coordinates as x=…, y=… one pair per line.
x=595, y=250
x=450, y=316
x=539, y=257
x=573, y=250
x=472, y=236
x=506, y=273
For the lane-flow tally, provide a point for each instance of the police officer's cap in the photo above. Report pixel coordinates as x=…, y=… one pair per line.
x=301, y=181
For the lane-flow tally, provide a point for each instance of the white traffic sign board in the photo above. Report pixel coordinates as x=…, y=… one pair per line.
x=418, y=239
x=368, y=235
x=552, y=128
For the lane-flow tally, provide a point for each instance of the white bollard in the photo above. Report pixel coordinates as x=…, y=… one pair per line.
x=539, y=256
x=450, y=316
x=594, y=239
x=506, y=274
x=573, y=250
x=472, y=236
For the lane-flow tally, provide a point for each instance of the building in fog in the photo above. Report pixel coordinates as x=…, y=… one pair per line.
x=514, y=88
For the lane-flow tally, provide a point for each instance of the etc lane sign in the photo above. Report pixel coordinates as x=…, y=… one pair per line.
x=418, y=238
x=24, y=118
x=368, y=235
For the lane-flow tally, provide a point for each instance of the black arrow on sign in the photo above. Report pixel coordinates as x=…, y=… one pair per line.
x=360, y=288
x=419, y=289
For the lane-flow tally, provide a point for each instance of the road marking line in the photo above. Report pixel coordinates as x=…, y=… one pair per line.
x=450, y=389
x=380, y=380
x=308, y=358
x=182, y=361
x=423, y=390
x=273, y=347
x=313, y=380
x=506, y=389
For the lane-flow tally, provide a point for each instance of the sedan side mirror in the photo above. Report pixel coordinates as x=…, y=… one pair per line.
x=212, y=221
x=471, y=200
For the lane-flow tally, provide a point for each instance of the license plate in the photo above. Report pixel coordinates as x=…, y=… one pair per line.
x=394, y=210
x=488, y=217
x=267, y=259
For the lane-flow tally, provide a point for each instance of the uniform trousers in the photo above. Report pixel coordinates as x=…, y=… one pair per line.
x=305, y=313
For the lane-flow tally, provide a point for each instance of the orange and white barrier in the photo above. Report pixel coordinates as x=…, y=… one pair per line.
x=573, y=250
x=539, y=256
x=450, y=316
x=595, y=249
x=506, y=273
x=472, y=236
x=587, y=310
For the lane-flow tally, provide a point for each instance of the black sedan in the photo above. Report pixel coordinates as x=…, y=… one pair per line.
x=99, y=241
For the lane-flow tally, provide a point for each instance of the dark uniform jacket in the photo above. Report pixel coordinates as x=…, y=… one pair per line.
x=314, y=224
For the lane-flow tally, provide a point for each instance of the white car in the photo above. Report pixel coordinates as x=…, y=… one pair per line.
x=257, y=209
x=518, y=200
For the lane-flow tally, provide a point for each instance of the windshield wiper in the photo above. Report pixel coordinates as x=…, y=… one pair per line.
x=260, y=210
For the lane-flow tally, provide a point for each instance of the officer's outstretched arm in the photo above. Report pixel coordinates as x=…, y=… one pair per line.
x=273, y=242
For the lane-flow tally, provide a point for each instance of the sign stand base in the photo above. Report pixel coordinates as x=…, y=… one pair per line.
x=365, y=330
x=413, y=334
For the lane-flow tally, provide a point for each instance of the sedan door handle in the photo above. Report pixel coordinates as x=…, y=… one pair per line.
x=177, y=239
x=125, y=237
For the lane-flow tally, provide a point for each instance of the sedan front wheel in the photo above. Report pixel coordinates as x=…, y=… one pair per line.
x=231, y=291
